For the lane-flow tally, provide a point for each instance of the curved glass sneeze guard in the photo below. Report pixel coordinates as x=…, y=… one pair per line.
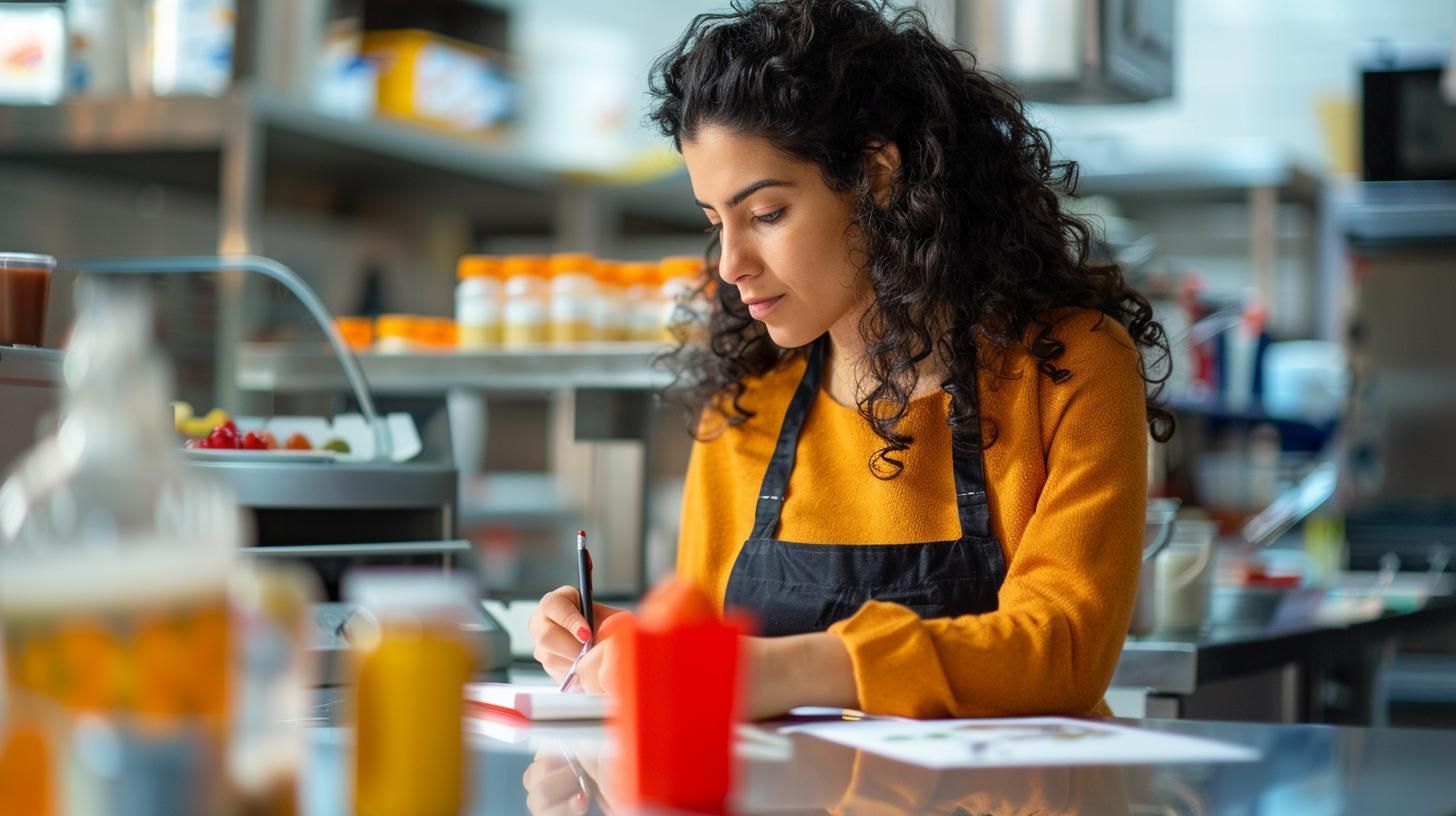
x=209, y=264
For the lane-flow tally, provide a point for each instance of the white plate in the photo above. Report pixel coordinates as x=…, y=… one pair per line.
x=278, y=455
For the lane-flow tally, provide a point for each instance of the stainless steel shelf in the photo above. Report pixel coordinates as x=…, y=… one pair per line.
x=622, y=366
x=1400, y=214
x=190, y=124
x=181, y=140
x=336, y=485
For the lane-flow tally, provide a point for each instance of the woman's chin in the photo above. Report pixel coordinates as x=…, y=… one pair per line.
x=790, y=336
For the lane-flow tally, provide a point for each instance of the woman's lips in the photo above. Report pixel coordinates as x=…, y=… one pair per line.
x=758, y=309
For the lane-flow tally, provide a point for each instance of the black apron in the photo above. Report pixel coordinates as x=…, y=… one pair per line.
x=793, y=588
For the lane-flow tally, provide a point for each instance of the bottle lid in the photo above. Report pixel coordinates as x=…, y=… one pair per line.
x=568, y=263
x=681, y=266
x=394, y=326
x=635, y=272
x=478, y=266
x=524, y=265
x=609, y=272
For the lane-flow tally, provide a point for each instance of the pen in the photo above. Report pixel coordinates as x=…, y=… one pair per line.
x=584, y=594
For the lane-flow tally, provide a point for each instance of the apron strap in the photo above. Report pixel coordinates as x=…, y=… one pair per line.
x=770, y=502
x=972, y=505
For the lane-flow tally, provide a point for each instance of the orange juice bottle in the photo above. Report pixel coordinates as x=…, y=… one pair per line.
x=411, y=665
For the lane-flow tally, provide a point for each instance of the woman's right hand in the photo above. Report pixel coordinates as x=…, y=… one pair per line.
x=558, y=629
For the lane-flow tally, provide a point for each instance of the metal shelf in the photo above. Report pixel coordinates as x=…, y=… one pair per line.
x=619, y=366
x=181, y=140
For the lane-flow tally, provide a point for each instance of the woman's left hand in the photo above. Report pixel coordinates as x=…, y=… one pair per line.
x=798, y=670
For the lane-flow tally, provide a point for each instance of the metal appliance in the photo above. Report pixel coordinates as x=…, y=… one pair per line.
x=1075, y=51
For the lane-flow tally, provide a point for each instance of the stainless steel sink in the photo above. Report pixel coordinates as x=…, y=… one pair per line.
x=1245, y=606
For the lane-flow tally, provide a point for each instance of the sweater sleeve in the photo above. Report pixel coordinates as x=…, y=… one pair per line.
x=1053, y=642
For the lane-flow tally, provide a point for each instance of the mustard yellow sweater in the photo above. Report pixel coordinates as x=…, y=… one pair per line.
x=1067, y=482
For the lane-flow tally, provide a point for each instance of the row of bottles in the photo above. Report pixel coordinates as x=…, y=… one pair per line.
x=530, y=301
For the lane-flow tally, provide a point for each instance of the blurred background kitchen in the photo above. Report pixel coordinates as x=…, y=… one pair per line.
x=1279, y=177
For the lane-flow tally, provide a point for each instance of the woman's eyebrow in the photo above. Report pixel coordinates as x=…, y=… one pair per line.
x=739, y=196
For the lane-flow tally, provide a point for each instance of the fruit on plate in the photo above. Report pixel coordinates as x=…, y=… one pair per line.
x=181, y=413
x=298, y=442
x=223, y=437
x=336, y=444
x=197, y=427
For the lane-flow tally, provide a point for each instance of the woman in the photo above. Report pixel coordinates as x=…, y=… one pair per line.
x=922, y=413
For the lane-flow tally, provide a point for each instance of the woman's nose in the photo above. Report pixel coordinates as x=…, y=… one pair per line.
x=734, y=261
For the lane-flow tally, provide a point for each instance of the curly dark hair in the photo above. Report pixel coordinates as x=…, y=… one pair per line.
x=970, y=242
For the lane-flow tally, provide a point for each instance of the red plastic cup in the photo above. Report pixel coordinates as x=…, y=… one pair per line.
x=678, y=703
x=25, y=284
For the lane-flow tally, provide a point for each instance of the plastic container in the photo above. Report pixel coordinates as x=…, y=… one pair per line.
x=611, y=322
x=411, y=665
x=524, y=319
x=1185, y=575
x=676, y=737
x=394, y=333
x=438, y=81
x=478, y=300
x=642, y=292
x=358, y=332
x=114, y=568
x=574, y=298
x=25, y=285
x=433, y=334
x=682, y=309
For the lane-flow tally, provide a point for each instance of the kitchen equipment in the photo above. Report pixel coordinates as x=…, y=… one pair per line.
x=1305, y=378
x=1161, y=515
x=1408, y=127
x=1185, y=575
x=1075, y=51
x=25, y=284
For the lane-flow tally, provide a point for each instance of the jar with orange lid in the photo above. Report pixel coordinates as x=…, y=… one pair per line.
x=524, y=315
x=393, y=333
x=611, y=321
x=682, y=306
x=643, y=307
x=432, y=334
x=573, y=298
x=478, y=300
x=358, y=332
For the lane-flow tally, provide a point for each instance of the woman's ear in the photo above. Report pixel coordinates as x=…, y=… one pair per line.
x=882, y=160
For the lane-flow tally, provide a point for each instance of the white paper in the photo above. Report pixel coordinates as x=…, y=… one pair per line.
x=539, y=702
x=1022, y=742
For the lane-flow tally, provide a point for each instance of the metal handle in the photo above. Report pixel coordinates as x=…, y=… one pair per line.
x=383, y=444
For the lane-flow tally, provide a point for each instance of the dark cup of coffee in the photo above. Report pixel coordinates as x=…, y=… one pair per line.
x=25, y=285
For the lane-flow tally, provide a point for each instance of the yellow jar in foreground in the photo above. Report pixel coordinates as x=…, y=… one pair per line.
x=411, y=666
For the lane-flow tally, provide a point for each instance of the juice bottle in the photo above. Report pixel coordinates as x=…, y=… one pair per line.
x=411, y=666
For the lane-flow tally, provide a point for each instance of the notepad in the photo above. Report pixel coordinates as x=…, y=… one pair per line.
x=538, y=702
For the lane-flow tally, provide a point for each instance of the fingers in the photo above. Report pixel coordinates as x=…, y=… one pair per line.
x=556, y=644
x=552, y=788
x=562, y=606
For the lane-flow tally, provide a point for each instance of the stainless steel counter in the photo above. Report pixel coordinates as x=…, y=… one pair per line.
x=1304, y=770
x=1308, y=634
